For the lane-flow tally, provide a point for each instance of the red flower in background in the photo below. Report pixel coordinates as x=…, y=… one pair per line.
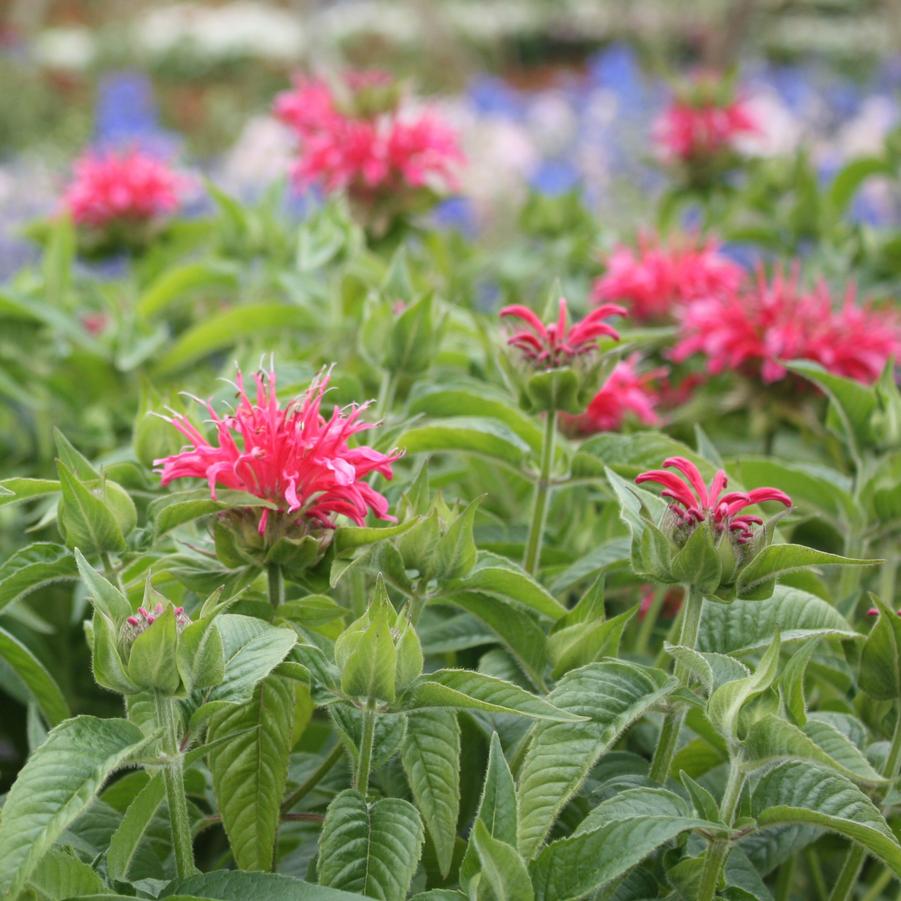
x=656, y=277
x=695, y=502
x=559, y=344
x=626, y=391
x=764, y=323
x=292, y=456
x=121, y=188
x=689, y=131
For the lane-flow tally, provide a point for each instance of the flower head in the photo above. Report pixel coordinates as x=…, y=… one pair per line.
x=291, y=456
x=143, y=619
x=122, y=188
x=559, y=344
x=656, y=277
x=626, y=391
x=763, y=323
x=694, y=502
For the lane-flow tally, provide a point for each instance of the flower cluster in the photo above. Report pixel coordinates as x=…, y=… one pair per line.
x=559, y=344
x=626, y=391
x=144, y=618
x=695, y=502
x=291, y=456
x=656, y=277
x=123, y=188
x=355, y=137
x=762, y=324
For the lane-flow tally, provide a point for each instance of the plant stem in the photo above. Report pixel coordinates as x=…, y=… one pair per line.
x=387, y=390
x=719, y=847
x=542, y=494
x=276, y=585
x=173, y=777
x=364, y=763
x=315, y=778
x=646, y=628
x=672, y=724
x=850, y=872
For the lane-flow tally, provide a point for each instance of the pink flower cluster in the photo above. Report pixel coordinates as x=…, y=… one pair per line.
x=655, y=277
x=559, y=344
x=291, y=456
x=626, y=391
x=123, y=187
x=687, y=131
x=144, y=618
x=367, y=151
x=762, y=324
x=694, y=501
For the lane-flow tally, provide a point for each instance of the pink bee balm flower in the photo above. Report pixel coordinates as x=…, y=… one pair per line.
x=292, y=456
x=655, y=277
x=625, y=392
x=694, y=502
x=558, y=344
x=130, y=187
x=762, y=324
x=687, y=131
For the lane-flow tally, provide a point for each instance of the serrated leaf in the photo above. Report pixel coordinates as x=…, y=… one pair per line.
x=713, y=670
x=234, y=885
x=482, y=437
x=610, y=555
x=880, y=657
x=372, y=849
x=809, y=794
x=612, y=694
x=84, y=518
x=130, y=832
x=61, y=876
x=431, y=759
x=467, y=690
x=778, y=559
x=501, y=867
x=584, y=642
x=745, y=626
x=32, y=567
x=58, y=783
x=36, y=677
x=18, y=489
x=106, y=597
x=179, y=507
x=250, y=771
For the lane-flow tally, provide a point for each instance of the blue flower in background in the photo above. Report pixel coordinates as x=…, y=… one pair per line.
x=555, y=177
x=492, y=97
x=456, y=213
x=616, y=69
x=126, y=115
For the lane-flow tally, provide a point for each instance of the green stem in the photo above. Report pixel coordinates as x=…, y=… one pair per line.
x=532, y=556
x=364, y=763
x=387, y=390
x=719, y=847
x=173, y=778
x=646, y=629
x=784, y=880
x=315, y=778
x=850, y=872
x=880, y=884
x=276, y=585
x=672, y=724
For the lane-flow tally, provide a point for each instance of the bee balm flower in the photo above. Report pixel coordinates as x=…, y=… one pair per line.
x=291, y=456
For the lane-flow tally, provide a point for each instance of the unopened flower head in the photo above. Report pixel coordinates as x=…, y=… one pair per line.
x=291, y=456
x=143, y=619
x=694, y=502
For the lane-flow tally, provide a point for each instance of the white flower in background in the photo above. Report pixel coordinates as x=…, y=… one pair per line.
x=65, y=48
x=340, y=22
x=781, y=131
x=493, y=21
x=865, y=134
x=264, y=150
x=552, y=122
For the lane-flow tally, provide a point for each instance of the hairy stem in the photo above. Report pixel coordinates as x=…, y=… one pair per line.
x=173, y=778
x=276, y=581
x=542, y=495
x=719, y=848
x=364, y=763
x=672, y=724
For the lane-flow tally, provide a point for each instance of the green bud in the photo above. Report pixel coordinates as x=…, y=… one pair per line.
x=698, y=562
x=409, y=652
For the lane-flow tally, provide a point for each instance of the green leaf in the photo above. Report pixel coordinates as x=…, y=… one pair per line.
x=56, y=785
x=482, y=437
x=809, y=794
x=516, y=628
x=16, y=490
x=372, y=849
x=713, y=670
x=250, y=771
x=497, y=575
x=32, y=567
x=618, y=835
x=130, y=832
x=467, y=690
x=501, y=867
x=880, y=657
x=849, y=179
x=85, y=520
x=584, y=642
x=746, y=626
x=224, y=329
x=498, y=804
x=431, y=759
x=234, y=885
x=106, y=597
x=771, y=739
x=152, y=660
x=613, y=694
x=34, y=674
x=177, y=283
x=351, y=537
x=61, y=876
x=79, y=465
x=612, y=554
x=179, y=507
x=778, y=559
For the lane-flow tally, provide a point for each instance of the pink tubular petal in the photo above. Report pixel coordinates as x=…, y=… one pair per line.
x=520, y=312
x=677, y=488
x=693, y=476
x=759, y=495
